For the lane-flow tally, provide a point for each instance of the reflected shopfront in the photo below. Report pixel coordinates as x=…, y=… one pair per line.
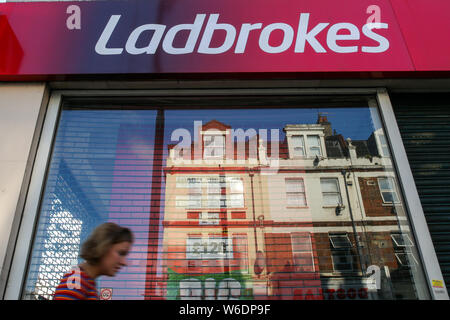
x=288, y=201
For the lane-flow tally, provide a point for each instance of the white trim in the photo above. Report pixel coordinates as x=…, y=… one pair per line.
x=417, y=219
x=24, y=239
x=393, y=190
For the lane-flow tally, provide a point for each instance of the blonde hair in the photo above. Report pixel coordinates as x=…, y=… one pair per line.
x=101, y=239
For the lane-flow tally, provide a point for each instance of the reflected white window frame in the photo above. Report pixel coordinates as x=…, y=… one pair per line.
x=296, y=194
x=301, y=140
x=219, y=143
x=195, y=192
x=383, y=144
x=302, y=235
x=25, y=220
x=235, y=195
x=404, y=238
x=391, y=181
x=338, y=192
x=339, y=251
x=406, y=259
x=298, y=143
x=311, y=146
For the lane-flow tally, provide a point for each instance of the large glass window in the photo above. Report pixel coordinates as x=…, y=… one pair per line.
x=229, y=198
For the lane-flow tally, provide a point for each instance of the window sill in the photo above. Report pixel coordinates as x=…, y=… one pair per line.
x=390, y=204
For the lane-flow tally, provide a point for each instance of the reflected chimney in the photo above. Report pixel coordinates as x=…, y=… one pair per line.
x=322, y=120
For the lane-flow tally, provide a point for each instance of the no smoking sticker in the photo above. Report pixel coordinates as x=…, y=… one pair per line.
x=106, y=294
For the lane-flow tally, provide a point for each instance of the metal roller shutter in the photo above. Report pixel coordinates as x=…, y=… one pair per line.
x=424, y=123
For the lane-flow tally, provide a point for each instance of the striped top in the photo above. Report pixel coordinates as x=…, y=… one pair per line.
x=76, y=285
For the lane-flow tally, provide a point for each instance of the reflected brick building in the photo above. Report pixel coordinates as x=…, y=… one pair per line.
x=240, y=227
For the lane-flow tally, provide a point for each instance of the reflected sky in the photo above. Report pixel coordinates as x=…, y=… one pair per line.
x=354, y=123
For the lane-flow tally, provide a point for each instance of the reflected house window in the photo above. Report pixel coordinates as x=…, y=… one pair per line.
x=214, y=146
x=330, y=191
x=388, y=190
x=314, y=146
x=341, y=253
x=305, y=140
x=383, y=145
x=298, y=146
x=295, y=192
x=302, y=252
x=195, y=192
x=402, y=249
x=236, y=188
x=214, y=189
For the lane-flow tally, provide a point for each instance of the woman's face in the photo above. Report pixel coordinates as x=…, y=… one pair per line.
x=115, y=258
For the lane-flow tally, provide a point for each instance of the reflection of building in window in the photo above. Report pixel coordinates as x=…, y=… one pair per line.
x=214, y=146
x=402, y=249
x=295, y=192
x=302, y=252
x=330, y=191
x=388, y=190
x=341, y=253
x=59, y=250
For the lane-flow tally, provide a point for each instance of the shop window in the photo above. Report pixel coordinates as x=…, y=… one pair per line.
x=330, y=191
x=388, y=190
x=295, y=193
x=197, y=233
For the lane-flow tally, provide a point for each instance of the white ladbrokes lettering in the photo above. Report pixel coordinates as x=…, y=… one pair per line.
x=304, y=34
